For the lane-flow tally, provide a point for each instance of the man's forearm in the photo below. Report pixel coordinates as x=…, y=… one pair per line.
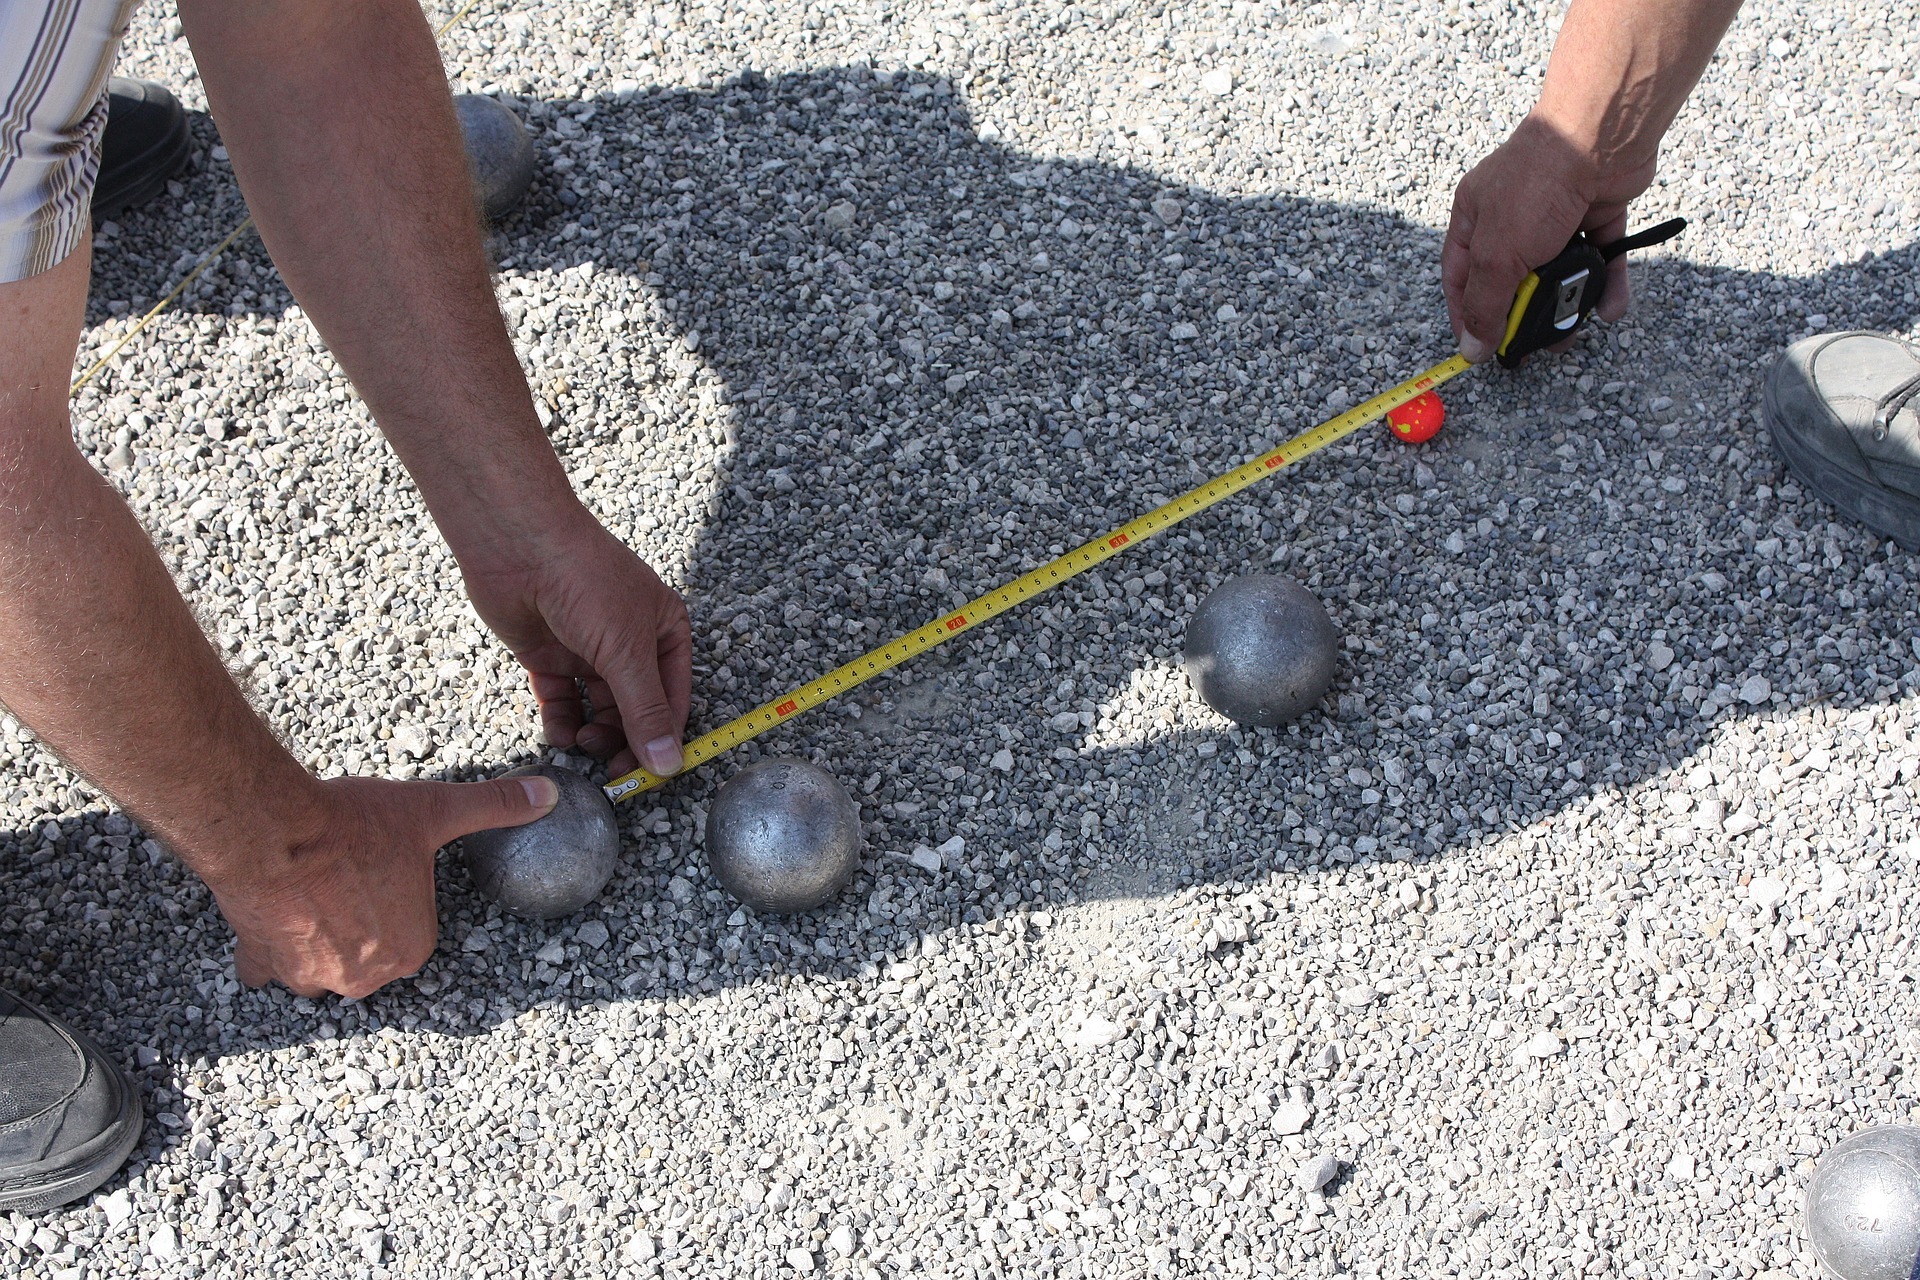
x=1621, y=69
x=103, y=658
x=338, y=119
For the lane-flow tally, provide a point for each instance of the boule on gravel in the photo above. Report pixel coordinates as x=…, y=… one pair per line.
x=1261, y=650
x=498, y=151
x=783, y=836
x=554, y=865
x=1863, y=1205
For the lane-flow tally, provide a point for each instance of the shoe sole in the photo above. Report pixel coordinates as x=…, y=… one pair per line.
x=1862, y=500
x=86, y=1169
x=167, y=158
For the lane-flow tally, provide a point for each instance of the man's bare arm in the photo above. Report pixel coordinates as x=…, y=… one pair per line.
x=104, y=659
x=342, y=132
x=1620, y=72
x=328, y=885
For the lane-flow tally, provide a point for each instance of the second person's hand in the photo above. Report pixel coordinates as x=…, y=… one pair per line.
x=577, y=606
x=1516, y=210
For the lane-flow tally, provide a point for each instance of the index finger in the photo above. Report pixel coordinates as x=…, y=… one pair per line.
x=561, y=709
x=1453, y=260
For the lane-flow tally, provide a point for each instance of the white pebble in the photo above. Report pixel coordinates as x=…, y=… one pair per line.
x=163, y=1242
x=1544, y=1044
x=1092, y=1031
x=118, y=1207
x=1767, y=892
x=1316, y=1172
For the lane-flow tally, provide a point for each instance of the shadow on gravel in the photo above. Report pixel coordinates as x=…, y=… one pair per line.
x=946, y=360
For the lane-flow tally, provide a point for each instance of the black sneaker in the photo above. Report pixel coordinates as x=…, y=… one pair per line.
x=146, y=142
x=68, y=1116
x=1844, y=413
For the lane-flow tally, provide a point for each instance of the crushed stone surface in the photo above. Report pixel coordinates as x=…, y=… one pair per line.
x=1558, y=942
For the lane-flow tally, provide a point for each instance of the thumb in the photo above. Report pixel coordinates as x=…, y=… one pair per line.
x=652, y=690
x=653, y=731
x=462, y=808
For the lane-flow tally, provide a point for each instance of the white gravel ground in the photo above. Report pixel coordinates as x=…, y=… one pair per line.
x=1558, y=944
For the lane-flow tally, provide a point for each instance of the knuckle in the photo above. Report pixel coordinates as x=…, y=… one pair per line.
x=1488, y=257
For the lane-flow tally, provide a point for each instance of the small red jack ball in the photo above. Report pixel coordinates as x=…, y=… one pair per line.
x=1418, y=420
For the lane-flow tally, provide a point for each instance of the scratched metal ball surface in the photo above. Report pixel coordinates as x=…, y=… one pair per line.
x=1863, y=1205
x=554, y=865
x=1261, y=650
x=783, y=836
x=498, y=151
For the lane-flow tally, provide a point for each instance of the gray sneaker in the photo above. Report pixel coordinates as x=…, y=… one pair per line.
x=68, y=1116
x=1844, y=413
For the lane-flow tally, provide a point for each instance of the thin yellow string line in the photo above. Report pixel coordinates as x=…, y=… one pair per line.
x=186, y=281
x=158, y=307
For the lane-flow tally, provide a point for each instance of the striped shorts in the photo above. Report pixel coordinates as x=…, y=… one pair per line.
x=55, y=56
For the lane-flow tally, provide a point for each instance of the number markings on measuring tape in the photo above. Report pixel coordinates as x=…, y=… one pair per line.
x=1032, y=583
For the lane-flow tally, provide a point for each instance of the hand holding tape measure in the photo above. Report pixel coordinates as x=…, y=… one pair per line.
x=1554, y=302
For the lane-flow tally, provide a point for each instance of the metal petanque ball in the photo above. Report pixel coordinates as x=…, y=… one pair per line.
x=1863, y=1205
x=783, y=836
x=1261, y=650
x=554, y=865
x=498, y=151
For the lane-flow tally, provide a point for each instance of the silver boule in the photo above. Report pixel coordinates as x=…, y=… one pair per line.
x=554, y=865
x=1863, y=1205
x=783, y=836
x=498, y=151
x=1261, y=650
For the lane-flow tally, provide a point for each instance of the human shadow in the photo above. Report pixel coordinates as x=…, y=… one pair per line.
x=939, y=360
x=948, y=360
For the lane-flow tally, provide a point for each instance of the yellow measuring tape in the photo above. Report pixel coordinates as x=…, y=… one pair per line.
x=1028, y=585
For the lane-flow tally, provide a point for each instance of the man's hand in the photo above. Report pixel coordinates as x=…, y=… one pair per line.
x=1621, y=69
x=1516, y=210
x=576, y=605
x=351, y=908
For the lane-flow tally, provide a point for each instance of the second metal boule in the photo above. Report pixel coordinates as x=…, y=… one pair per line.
x=783, y=836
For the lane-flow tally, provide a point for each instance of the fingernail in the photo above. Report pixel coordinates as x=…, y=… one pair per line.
x=1473, y=349
x=542, y=793
x=661, y=756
